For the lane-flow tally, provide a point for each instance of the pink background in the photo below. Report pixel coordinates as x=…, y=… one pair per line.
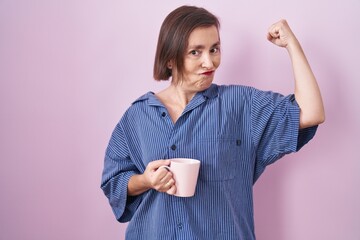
x=70, y=68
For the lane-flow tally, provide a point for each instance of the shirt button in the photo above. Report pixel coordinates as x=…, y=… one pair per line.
x=163, y=114
x=173, y=147
x=180, y=226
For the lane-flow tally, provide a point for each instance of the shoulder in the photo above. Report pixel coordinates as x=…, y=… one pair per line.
x=248, y=92
x=143, y=98
x=136, y=108
x=236, y=92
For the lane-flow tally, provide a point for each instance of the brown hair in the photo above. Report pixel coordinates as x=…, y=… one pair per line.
x=174, y=35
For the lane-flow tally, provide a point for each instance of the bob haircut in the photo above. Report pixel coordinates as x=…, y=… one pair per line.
x=174, y=35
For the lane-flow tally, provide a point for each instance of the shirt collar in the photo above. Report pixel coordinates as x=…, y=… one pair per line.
x=150, y=98
x=209, y=93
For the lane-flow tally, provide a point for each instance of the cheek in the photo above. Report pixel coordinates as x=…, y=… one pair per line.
x=217, y=61
x=190, y=66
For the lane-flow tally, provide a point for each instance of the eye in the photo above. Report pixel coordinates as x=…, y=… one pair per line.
x=194, y=52
x=215, y=50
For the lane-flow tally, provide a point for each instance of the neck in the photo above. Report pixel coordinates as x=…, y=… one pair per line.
x=181, y=95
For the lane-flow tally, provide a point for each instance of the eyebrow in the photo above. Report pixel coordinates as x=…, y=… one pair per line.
x=202, y=46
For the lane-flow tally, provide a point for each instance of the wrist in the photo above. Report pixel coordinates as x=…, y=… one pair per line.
x=293, y=46
x=137, y=185
x=143, y=181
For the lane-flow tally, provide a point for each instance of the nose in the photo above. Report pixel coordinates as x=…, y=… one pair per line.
x=207, y=61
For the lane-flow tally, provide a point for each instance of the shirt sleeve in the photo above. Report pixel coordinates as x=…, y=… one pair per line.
x=118, y=168
x=275, y=128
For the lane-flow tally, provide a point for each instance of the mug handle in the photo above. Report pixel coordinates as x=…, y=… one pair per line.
x=166, y=167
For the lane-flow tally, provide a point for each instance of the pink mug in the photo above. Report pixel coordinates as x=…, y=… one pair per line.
x=185, y=173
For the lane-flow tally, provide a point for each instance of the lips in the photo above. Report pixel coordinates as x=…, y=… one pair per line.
x=208, y=73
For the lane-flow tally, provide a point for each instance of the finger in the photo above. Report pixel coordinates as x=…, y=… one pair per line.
x=272, y=39
x=163, y=173
x=172, y=190
x=274, y=32
x=269, y=37
x=154, y=165
x=170, y=183
x=166, y=178
x=165, y=186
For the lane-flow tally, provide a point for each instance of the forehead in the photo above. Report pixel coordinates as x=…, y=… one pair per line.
x=205, y=36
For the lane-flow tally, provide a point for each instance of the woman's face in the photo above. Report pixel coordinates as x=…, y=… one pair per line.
x=202, y=58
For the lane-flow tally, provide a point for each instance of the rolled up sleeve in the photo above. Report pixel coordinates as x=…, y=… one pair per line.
x=275, y=124
x=118, y=168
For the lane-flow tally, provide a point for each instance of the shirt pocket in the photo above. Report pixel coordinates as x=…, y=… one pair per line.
x=218, y=158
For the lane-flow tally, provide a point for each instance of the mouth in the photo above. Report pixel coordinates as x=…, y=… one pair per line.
x=208, y=73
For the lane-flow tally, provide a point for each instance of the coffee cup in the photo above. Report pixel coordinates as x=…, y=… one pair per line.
x=185, y=173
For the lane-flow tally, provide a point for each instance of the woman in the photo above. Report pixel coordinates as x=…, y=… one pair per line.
x=235, y=131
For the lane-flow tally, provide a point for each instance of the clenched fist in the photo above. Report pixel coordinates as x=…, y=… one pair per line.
x=281, y=35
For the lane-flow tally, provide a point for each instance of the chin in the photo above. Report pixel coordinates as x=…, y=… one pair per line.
x=205, y=85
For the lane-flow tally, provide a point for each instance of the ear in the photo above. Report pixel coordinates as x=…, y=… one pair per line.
x=170, y=64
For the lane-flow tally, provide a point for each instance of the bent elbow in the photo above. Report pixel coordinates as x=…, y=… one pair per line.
x=321, y=120
x=312, y=121
x=320, y=117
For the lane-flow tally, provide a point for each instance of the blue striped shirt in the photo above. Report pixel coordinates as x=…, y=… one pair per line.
x=235, y=131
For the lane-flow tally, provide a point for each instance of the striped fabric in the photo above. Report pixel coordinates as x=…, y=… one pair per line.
x=235, y=131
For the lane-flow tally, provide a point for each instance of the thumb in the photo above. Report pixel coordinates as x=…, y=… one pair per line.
x=272, y=38
x=274, y=31
x=269, y=37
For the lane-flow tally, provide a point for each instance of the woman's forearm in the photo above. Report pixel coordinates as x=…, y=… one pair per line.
x=137, y=185
x=307, y=92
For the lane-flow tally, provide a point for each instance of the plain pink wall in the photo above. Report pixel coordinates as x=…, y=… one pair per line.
x=70, y=68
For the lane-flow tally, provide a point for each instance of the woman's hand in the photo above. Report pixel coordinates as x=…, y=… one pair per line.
x=153, y=177
x=158, y=178
x=281, y=35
